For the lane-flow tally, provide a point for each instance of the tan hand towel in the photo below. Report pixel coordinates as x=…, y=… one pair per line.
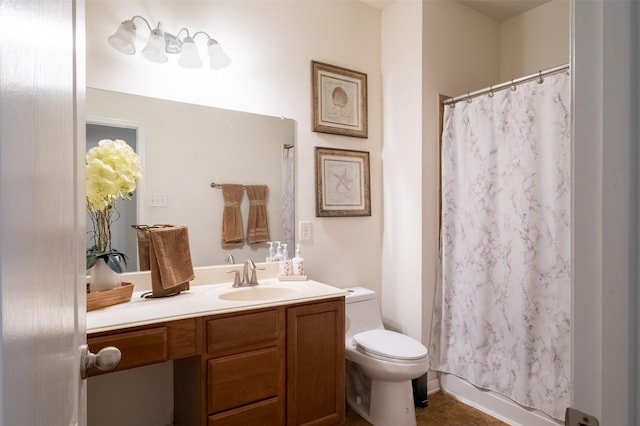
x=143, y=247
x=258, y=223
x=170, y=257
x=142, y=232
x=232, y=231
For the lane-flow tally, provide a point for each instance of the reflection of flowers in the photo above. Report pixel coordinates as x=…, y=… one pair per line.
x=111, y=172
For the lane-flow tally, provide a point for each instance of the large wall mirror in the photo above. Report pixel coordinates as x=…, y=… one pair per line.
x=186, y=147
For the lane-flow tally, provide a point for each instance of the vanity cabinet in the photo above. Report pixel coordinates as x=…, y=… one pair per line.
x=151, y=344
x=315, y=364
x=245, y=368
x=281, y=365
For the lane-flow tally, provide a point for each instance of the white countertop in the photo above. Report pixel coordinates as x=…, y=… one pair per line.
x=202, y=300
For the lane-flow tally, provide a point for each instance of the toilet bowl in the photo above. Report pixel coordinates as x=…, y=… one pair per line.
x=380, y=364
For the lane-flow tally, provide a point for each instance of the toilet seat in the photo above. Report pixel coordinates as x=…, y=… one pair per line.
x=389, y=344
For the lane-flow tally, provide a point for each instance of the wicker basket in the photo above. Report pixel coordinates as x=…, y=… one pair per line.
x=102, y=299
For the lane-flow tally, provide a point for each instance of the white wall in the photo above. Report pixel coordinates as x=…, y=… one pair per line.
x=535, y=40
x=402, y=148
x=271, y=44
x=605, y=112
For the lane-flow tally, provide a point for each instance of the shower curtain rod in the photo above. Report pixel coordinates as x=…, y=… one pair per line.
x=511, y=84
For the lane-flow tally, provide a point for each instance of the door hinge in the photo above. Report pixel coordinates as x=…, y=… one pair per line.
x=575, y=417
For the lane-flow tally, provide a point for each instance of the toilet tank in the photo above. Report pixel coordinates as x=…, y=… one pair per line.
x=362, y=311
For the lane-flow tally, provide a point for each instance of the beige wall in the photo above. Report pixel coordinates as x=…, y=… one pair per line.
x=271, y=44
x=536, y=40
x=401, y=155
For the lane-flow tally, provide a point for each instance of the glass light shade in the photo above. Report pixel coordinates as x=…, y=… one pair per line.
x=172, y=43
x=123, y=40
x=189, y=58
x=217, y=58
x=154, y=50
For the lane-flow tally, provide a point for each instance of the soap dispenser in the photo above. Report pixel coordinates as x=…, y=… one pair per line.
x=298, y=263
x=270, y=258
x=285, y=267
x=278, y=256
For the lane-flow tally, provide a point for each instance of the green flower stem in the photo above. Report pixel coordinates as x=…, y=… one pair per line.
x=102, y=221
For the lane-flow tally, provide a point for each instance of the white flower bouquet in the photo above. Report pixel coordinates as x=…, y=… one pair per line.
x=112, y=169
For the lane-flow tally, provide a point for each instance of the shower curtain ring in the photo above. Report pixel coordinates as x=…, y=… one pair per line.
x=491, y=91
x=468, y=98
x=540, y=79
x=513, y=86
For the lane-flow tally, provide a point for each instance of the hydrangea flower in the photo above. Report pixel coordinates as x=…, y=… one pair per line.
x=112, y=169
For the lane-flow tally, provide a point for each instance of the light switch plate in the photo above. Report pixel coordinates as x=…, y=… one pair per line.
x=158, y=200
x=304, y=233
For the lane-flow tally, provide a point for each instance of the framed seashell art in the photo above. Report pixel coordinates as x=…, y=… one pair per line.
x=339, y=100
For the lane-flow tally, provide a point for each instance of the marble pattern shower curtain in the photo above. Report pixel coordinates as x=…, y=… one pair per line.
x=502, y=314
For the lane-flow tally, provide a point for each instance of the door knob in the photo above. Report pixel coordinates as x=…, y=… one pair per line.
x=106, y=359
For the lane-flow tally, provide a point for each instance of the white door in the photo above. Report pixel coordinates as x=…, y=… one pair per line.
x=41, y=212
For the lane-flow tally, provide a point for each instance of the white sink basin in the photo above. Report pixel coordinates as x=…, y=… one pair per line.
x=259, y=293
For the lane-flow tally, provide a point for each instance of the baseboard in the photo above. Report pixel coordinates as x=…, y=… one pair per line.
x=493, y=404
x=433, y=385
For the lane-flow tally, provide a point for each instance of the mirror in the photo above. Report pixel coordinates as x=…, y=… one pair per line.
x=186, y=147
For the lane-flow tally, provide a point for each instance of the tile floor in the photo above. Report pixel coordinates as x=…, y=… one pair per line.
x=443, y=410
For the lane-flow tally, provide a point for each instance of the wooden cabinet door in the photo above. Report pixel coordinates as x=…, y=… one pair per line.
x=315, y=364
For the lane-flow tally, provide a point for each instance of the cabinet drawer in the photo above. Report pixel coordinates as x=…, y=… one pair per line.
x=241, y=379
x=138, y=348
x=230, y=334
x=183, y=337
x=263, y=413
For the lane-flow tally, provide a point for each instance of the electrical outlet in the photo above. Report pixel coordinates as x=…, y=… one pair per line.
x=304, y=233
x=574, y=417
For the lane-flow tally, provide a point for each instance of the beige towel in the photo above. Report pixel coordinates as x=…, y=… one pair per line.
x=142, y=232
x=143, y=247
x=258, y=223
x=232, y=231
x=169, y=258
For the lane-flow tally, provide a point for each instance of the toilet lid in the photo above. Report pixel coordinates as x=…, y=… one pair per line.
x=390, y=344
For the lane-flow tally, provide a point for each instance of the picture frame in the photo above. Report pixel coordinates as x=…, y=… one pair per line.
x=342, y=183
x=339, y=100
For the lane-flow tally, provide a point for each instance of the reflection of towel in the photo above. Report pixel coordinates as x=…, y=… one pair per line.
x=232, y=232
x=258, y=224
x=143, y=248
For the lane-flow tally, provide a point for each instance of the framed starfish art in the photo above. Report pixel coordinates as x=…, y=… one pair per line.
x=342, y=183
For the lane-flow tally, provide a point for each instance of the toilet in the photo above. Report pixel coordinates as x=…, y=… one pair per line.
x=380, y=364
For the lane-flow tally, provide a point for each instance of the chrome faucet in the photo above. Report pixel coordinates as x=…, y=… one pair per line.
x=249, y=264
x=247, y=280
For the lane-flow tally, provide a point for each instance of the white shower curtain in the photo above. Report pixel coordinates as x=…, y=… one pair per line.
x=503, y=299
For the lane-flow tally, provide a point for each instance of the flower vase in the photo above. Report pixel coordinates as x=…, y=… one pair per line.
x=103, y=277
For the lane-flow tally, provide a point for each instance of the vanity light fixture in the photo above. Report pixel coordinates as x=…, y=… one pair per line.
x=162, y=43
